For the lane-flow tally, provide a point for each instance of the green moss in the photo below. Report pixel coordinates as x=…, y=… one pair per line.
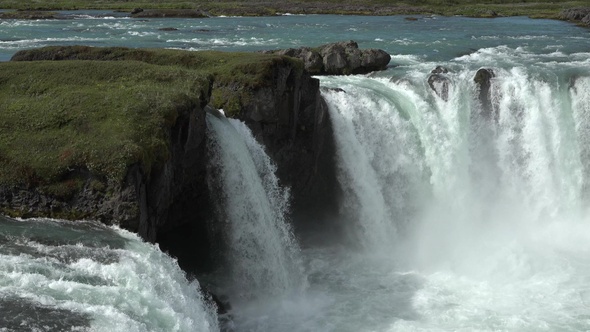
x=103, y=116
x=233, y=75
x=108, y=108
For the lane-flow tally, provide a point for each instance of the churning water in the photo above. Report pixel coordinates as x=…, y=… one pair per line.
x=461, y=213
x=80, y=276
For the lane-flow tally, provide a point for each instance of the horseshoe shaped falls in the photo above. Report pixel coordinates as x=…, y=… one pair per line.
x=463, y=191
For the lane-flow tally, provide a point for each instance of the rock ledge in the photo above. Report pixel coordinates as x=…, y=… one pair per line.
x=341, y=58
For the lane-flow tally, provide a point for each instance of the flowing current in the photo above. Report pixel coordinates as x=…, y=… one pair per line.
x=262, y=252
x=485, y=204
x=463, y=210
x=80, y=276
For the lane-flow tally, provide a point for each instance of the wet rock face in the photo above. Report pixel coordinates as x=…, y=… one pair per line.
x=290, y=118
x=342, y=58
x=439, y=83
x=483, y=79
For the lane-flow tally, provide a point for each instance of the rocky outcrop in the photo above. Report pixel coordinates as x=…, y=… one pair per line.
x=579, y=15
x=170, y=204
x=342, y=58
x=439, y=82
x=482, y=79
x=291, y=119
x=171, y=200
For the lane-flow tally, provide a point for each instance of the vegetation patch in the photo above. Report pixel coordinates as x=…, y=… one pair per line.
x=56, y=117
x=233, y=76
x=109, y=108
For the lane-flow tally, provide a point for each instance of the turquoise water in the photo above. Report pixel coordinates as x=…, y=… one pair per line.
x=457, y=220
x=429, y=38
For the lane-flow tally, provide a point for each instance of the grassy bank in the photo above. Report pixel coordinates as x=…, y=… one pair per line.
x=536, y=8
x=57, y=116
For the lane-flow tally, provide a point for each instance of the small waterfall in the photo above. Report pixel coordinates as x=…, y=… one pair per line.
x=263, y=255
x=378, y=158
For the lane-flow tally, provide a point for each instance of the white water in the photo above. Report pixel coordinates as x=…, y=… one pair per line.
x=490, y=218
x=264, y=259
x=65, y=276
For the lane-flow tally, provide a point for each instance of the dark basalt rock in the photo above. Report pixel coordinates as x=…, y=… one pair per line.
x=580, y=15
x=333, y=89
x=439, y=70
x=342, y=58
x=168, y=29
x=291, y=119
x=483, y=79
x=439, y=83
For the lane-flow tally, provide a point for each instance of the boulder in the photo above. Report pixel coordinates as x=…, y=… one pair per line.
x=574, y=14
x=482, y=79
x=439, y=83
x=342, y=58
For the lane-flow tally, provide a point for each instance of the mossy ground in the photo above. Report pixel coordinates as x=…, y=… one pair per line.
x=59, y=116
x=477, y=8
x=104, y=116
x=232, y=74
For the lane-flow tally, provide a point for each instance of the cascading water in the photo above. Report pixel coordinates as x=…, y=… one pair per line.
x=82, y=276
x=263, y=255
x=486, y=203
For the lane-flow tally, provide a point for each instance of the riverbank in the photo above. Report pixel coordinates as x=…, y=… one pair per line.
x=537, y=9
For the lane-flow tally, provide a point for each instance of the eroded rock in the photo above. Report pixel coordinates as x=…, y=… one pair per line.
x=483, y=79
x=439, y=82
x=342, y=58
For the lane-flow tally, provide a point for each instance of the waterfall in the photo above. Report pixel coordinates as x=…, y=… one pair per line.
x=445, y=174
x=263, y=255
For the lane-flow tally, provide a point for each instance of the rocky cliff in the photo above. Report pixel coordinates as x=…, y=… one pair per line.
x=142, y=157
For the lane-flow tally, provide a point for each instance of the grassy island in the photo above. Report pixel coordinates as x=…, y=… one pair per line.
x=103, y=116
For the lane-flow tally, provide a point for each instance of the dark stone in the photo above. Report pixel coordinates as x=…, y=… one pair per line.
x=574, y=14
x=440, y=85
x=136, y=11
x=483, y=78
x=410, y=19
x=342, y=58
x=439, y=70
x=168, y=29
x=334, y=89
